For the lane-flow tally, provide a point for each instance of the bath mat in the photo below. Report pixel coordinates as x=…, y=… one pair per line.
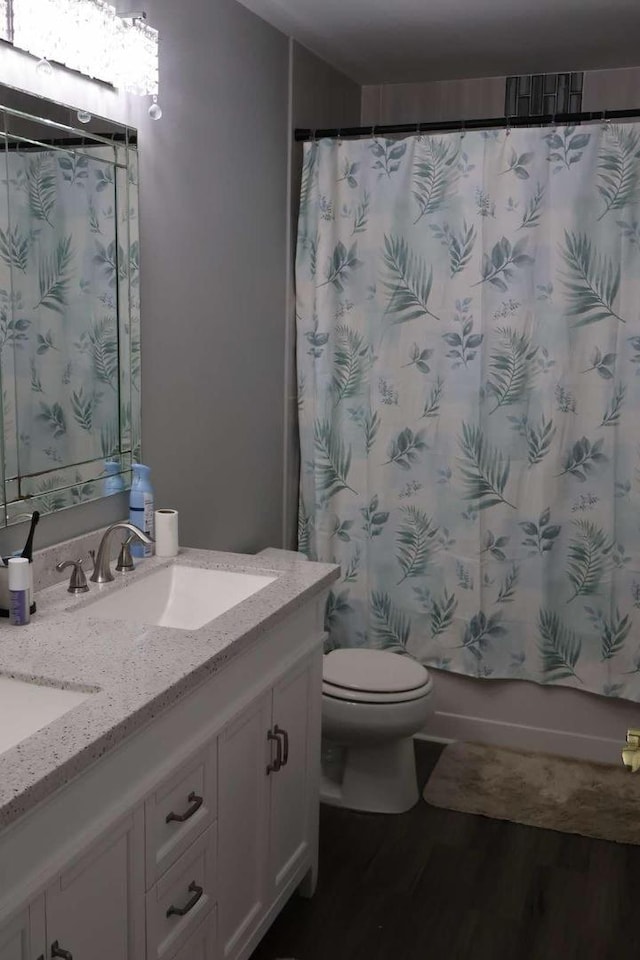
x=538, y=790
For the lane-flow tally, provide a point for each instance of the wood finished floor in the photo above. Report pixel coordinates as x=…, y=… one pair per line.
x=437, y=885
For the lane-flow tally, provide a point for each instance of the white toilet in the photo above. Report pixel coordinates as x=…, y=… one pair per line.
x=373, y=702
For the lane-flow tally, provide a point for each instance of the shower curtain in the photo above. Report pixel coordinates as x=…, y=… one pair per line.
x=468, y=312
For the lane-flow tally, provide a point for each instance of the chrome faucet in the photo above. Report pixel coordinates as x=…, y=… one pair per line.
x=102, y=566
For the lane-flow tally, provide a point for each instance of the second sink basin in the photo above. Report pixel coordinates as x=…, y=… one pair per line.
x=182, y=597
x=27, y=707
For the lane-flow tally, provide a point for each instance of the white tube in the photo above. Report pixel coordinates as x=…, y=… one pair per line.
x=166, y=534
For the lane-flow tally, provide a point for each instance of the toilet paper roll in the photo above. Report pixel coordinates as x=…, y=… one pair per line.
x=166, y=533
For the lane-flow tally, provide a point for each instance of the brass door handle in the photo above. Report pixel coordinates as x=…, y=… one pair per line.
x=183, y=911
x=195, y=801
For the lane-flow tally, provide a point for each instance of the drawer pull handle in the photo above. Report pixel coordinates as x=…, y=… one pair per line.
x=275, y=765
x=279, y=732
x=57, y=951
x=183, y=911
x=195, y=801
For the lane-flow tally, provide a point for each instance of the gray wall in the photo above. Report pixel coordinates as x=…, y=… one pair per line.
x=484, y=97
x=320, y=96
x=213, y=201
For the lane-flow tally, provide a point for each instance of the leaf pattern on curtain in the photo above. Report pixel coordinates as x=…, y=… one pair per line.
x=468, y=360
x=69, y=311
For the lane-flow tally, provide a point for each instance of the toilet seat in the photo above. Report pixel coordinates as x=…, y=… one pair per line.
x=374, y=676
x=359, y=696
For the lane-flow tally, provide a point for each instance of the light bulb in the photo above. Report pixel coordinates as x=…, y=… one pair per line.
x=155, y=110
x=84, y=117
x=44, y=68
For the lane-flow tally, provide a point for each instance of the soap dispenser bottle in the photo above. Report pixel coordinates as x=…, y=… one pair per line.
x=141, y=507
x=114, y=481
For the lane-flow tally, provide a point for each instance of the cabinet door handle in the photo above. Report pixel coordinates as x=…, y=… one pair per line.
x=195, y=801
x=279, y=732
x=183, y=911
x=57, y=951
x=275, y=765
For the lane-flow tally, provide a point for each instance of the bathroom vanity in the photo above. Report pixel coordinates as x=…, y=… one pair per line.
x=174, y=809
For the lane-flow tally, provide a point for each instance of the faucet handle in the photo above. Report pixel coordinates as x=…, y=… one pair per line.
x=78, y=582
x=125, y=560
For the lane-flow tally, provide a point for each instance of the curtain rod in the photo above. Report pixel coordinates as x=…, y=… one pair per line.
x=561, y=119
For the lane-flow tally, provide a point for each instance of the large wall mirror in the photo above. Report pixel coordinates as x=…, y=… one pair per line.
x=69, y=306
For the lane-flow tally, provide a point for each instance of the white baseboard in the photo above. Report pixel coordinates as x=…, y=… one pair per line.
x=447, y=727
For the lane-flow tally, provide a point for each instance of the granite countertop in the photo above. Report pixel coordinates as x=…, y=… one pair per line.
x=137, y=670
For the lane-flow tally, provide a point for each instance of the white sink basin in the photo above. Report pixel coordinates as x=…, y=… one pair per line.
x=28, y=707
x=181, y=597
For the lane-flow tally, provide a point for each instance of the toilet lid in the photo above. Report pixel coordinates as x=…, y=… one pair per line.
x=373, y=671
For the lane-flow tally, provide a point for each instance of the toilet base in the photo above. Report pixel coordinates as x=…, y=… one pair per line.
x=373, y=779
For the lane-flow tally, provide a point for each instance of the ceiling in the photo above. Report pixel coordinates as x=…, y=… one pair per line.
x=395, y=41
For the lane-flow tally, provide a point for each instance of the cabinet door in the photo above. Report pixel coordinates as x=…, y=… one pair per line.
x=23, y=937
x=95, y=908
x=296, y=719
x=243, y=824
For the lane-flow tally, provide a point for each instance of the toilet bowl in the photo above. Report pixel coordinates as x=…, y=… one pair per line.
x=373, y=702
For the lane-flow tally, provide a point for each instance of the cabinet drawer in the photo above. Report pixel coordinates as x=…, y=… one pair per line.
x=201, y=945
x=178, y=811
x=181, y=899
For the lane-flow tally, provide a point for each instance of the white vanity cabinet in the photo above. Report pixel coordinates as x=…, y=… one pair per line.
x=93, y=908
x=268, y=759
x=244, y=823
x=202, y=944
x=23, y=938
x=96, y=906
x=294, y=800
x=185, y=841
x=14, y=939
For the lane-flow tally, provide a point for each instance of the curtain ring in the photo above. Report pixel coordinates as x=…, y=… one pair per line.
x=340, y=137
x=508, y=127
x=313, y=136
x=419, y=132
x=373, y=134
x=605, y=122
x=463, y=132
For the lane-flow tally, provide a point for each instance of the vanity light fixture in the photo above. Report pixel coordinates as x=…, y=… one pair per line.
x=89, y=36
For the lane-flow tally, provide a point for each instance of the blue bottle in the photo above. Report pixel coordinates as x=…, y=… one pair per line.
x=114, y=481
x=141, y=506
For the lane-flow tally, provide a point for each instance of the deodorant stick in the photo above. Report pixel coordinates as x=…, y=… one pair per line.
x=19, y=592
